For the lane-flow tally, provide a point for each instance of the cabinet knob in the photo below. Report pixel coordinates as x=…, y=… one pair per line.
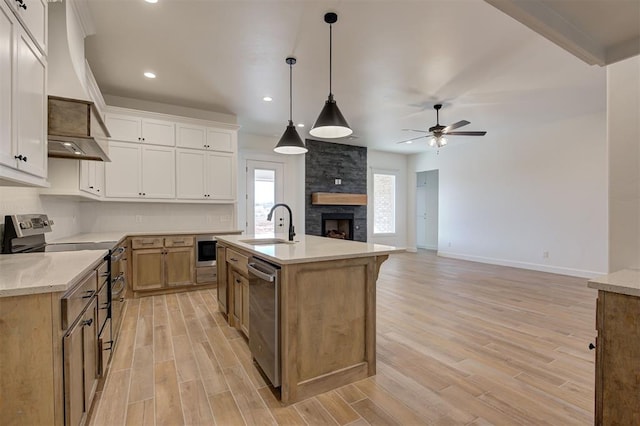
x=91, y=187
x=144, y=193
x=25, y=157
x=98, y=190
x=18, y=157
x=139, y=139
x=87, y=322
x=591, y=346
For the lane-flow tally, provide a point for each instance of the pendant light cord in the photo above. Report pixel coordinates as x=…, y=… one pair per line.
x=330, y=57
x=290, y=93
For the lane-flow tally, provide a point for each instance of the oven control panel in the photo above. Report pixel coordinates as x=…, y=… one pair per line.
x=29, y=224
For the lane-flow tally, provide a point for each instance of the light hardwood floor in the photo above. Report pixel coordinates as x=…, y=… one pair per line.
x=458, y=343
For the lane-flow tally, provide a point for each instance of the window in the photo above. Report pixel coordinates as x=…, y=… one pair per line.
x=384, y=203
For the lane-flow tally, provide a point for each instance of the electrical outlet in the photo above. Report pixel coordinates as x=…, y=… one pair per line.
x=338, y=181
x=138, y=218
x=545, y=254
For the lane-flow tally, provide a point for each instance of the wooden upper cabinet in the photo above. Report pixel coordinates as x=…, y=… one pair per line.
x=128, y=128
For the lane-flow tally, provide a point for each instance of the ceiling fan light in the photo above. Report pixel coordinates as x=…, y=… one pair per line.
x=442, y=141
x=432, y=141
x=290, y=142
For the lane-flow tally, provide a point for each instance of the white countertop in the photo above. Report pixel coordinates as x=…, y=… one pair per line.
x=32, y=273
x=308, y=248
x=626, y=281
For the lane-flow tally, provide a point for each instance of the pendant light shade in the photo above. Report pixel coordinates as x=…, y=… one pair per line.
x=290, y=142
x=330, y=123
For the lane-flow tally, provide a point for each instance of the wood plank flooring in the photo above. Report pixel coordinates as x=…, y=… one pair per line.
x=458, y=343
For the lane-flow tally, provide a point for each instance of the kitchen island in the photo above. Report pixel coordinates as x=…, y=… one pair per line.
x=327, y=306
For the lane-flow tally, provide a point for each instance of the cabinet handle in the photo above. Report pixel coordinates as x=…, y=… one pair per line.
x=238, y=281
x=178, y=241
x=89, y=294
x=91, y=187
x=87, y=322
x=233, y=259
x=18, y=157
x=22, y=5
x=591, y=346
x=146, y=243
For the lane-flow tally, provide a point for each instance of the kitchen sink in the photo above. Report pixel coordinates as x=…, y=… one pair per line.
x=266, y=241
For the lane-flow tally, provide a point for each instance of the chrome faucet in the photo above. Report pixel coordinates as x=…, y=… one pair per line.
x=292, y=232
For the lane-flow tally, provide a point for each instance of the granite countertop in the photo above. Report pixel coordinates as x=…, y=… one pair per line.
x=626, y=281
x=308, y=248
x=33, y=273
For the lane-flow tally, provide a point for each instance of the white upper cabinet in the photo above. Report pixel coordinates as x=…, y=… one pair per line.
x=143, y=130
x=92, y=177
x=200, y=137
x=23, y=71
x=33, y=16
x=205, y=175
x=31, y=113
x=220, y=140
x=191, y=136
x=138, y=171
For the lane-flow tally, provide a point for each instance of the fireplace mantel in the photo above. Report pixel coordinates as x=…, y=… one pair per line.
x=338, y=199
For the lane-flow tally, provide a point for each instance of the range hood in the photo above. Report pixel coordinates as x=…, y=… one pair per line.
x=76, y=130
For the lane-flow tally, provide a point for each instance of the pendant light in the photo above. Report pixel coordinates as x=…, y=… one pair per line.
x=290, y=142
x=330, y=123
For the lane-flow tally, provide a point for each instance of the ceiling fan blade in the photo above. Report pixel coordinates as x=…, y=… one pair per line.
x=470, y=133
x=412, y=139
x=414, y=130
x=456, y=125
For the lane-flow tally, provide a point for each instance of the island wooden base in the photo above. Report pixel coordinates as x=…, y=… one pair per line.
x=328, y=325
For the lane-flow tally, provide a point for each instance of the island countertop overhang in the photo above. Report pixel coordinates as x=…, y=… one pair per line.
x=307, y=248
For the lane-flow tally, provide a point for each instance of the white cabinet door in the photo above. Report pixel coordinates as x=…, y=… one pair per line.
x=7, y=55
x=220, y=140
x=191, y=136
x=33, y=15
x=158, y=172
x=124, y=127
x=122, y=174
x=220, y=174
x=158, y=132
x=190, y=174
x=31, y=104
x=92, y=177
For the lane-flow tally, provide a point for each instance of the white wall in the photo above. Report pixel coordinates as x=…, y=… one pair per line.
x=623, y=118
x=512, y=195
x=396, y=163
x=254, y=147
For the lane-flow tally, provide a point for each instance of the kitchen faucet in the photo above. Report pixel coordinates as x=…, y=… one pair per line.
x=291, y=228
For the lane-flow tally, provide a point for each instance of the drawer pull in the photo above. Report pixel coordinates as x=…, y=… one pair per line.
x=233, y=259
x=87, y=322
x=178, y=241
x=89, y=294
x=147, y=243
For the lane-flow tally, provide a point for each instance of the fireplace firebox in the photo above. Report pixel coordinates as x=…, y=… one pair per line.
x=337, y=225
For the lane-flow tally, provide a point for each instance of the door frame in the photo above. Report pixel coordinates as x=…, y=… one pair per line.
x=250, y=166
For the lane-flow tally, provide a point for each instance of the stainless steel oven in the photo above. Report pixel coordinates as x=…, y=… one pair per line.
x=206, y=250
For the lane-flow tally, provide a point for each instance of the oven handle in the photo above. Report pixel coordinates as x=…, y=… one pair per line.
x=119, y=278
x=117, y=254
x=252, y=267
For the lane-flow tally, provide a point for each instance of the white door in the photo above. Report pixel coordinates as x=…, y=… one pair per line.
x=219, y=169
x=158, y=172
x=427, y=210
x=265, y=187
x=122, y=173
x=191, y=174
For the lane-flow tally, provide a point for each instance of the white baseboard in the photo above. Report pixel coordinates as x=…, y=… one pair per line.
x=582, y=273
x=428, y=247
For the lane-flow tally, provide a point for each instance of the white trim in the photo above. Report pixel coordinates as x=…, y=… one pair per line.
x=170, y=117
x=524, y=265
x=388, y=172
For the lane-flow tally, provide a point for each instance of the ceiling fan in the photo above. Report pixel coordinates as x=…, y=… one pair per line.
x=439, y=131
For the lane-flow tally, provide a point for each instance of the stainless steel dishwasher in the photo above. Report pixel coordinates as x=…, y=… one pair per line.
x=264, y=317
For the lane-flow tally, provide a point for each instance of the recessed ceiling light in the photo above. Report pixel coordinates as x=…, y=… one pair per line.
x=267, y=99
x=300, y=124
x=77, y=152
x=66, y=143
x=149, y=74
x=409, y=142
x=151, y=1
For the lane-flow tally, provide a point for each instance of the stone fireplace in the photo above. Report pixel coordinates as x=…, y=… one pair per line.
x=333, y=168
x=337, y=225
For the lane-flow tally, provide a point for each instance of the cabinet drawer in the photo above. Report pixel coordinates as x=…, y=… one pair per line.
x=178, y=242
x=238, y=261
x=74, y=302
x=207, y=274
x=146, y=243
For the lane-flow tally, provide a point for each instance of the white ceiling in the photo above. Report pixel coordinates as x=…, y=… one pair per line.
x=392, y=60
